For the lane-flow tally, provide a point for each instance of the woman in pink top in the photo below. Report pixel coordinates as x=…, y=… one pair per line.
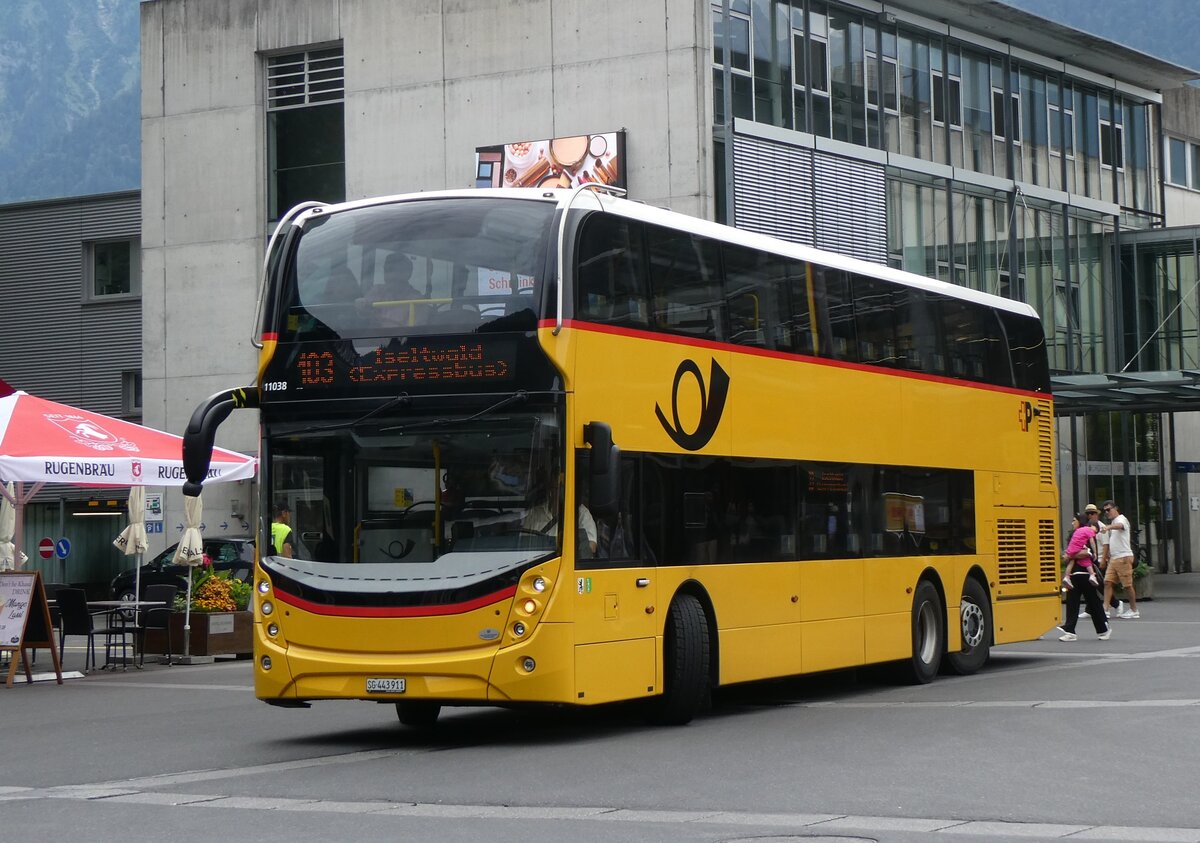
x=1081, y=582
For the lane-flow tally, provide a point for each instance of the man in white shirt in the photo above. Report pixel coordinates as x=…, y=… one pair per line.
x=543, y=518
x=1120, y=559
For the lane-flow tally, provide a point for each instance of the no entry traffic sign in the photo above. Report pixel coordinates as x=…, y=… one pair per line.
x=46, y=547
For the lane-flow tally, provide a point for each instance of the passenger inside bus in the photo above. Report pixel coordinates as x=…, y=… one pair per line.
x=392, y=303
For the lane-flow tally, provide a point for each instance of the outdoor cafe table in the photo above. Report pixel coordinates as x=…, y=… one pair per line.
x=118, y=612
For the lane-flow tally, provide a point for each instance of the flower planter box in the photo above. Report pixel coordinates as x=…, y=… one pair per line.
x=1144, y=586
x=212, y=634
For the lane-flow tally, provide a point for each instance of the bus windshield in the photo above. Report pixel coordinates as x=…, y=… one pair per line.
x=434, y=502
x=431, y=266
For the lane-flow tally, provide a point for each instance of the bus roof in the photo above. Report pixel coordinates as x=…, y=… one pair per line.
x=683, y=222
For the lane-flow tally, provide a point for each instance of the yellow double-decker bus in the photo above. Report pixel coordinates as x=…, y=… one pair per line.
x=560, y=447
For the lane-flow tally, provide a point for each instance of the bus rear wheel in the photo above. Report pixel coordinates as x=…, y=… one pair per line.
x=686, y=655
x=419, y=714
x=928, y=635
x=975, y=613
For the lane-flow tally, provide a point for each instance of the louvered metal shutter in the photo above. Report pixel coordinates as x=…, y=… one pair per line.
x=852, y=198
x=773, y=189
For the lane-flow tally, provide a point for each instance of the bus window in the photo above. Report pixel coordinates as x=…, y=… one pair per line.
x=618, y=534
x=835, y=314
x=611, y=273
x=685, y=283
x=418, y=267
x=975, y=345
x=875, y=321
x=756, y=289
x=1027, y=349
x=919, y=331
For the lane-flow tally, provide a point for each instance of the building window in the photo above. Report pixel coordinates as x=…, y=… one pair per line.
x=112, y=268
x=1112, y=144
x=940, y=105
x=131, y=392
x=741, y=79
x=1014, y=115
x=306, y=136
x=1183, y=163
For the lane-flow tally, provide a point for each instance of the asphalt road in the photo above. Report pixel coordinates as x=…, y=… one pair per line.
x=1089, y=740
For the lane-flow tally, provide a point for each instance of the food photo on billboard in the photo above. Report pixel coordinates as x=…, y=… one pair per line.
x=555, y=163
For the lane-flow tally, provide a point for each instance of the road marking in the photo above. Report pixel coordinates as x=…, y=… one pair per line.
x=131, y=792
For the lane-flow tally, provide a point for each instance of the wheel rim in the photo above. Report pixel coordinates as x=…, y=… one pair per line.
x=972, y=624
x=927, y=630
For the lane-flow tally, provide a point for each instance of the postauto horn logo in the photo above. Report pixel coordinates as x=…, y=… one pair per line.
x=712, y=405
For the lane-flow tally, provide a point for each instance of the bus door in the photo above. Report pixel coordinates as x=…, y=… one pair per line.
x=616, y=595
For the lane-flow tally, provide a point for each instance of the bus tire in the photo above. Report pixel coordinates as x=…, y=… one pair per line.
x=975, y=614
x=419, y=714
x=928, y=635
x=686, y=655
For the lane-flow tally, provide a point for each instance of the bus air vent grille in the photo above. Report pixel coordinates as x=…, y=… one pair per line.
x=1012, y=551
x=1045, y=435
x=1047, y=551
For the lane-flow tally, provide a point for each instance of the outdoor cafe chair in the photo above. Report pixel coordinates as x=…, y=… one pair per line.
x=155, y=617
x=77, y=620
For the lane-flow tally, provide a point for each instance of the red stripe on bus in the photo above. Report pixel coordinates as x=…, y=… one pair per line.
x=395, y=611
x=270, y=337
x=713, y=345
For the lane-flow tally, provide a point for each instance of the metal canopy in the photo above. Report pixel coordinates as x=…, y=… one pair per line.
x=1142, y=392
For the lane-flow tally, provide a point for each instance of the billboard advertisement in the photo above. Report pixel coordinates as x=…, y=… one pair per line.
x=554, y=163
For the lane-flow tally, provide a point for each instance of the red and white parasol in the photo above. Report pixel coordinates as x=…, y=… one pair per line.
x=46, y=442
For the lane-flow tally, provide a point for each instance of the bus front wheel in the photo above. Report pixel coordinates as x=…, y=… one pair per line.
x=928, y=634
x=686, y=656
x=419, y=714
x=975, y=613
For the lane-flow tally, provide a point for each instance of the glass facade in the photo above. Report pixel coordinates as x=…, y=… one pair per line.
x=1109, y=299
x=844, y=74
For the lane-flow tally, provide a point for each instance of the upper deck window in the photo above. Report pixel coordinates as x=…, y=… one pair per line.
x=437, y=266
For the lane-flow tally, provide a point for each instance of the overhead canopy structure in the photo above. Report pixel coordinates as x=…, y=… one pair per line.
x=1141, y=392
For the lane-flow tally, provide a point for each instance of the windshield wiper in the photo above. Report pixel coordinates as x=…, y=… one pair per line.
x=400, y=400
x=519, y=396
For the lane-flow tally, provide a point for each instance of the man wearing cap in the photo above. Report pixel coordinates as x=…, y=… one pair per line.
x=1120, y=559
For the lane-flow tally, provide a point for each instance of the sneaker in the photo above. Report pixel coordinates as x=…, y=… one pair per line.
x=1068, y=636
x=1106, y=614
x=1083, y=613
x=1067, y=583
x=1129, y=615
x=1106, y=634
x=1120, y=610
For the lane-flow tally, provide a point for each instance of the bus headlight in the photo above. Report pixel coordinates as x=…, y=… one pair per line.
x=539, y=584
x=268, y=607
x=265, y=662
x=527, y=663
x=529, y=606
x=518, y=629
x=264, y=587
x=272, y=629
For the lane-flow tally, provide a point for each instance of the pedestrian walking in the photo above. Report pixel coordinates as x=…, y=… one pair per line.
x=1120, y=559
x=1081, y=582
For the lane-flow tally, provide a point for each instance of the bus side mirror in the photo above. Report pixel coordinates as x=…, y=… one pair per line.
x=201, y=433
x=604, y=480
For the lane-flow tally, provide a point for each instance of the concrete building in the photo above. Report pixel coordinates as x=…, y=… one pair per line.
x=961, y=139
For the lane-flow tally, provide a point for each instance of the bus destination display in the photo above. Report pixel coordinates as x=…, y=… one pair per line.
x=335, y=370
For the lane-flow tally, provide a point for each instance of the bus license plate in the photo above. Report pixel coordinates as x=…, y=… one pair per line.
x=379, y=685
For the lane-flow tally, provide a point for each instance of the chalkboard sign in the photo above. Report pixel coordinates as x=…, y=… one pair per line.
x=25, y=621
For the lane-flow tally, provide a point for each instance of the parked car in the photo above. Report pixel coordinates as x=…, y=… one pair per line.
x=234, y=554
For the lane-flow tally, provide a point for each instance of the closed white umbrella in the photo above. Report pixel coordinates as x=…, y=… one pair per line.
x=8, y=523
x=132, y=540
x=190, y=552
